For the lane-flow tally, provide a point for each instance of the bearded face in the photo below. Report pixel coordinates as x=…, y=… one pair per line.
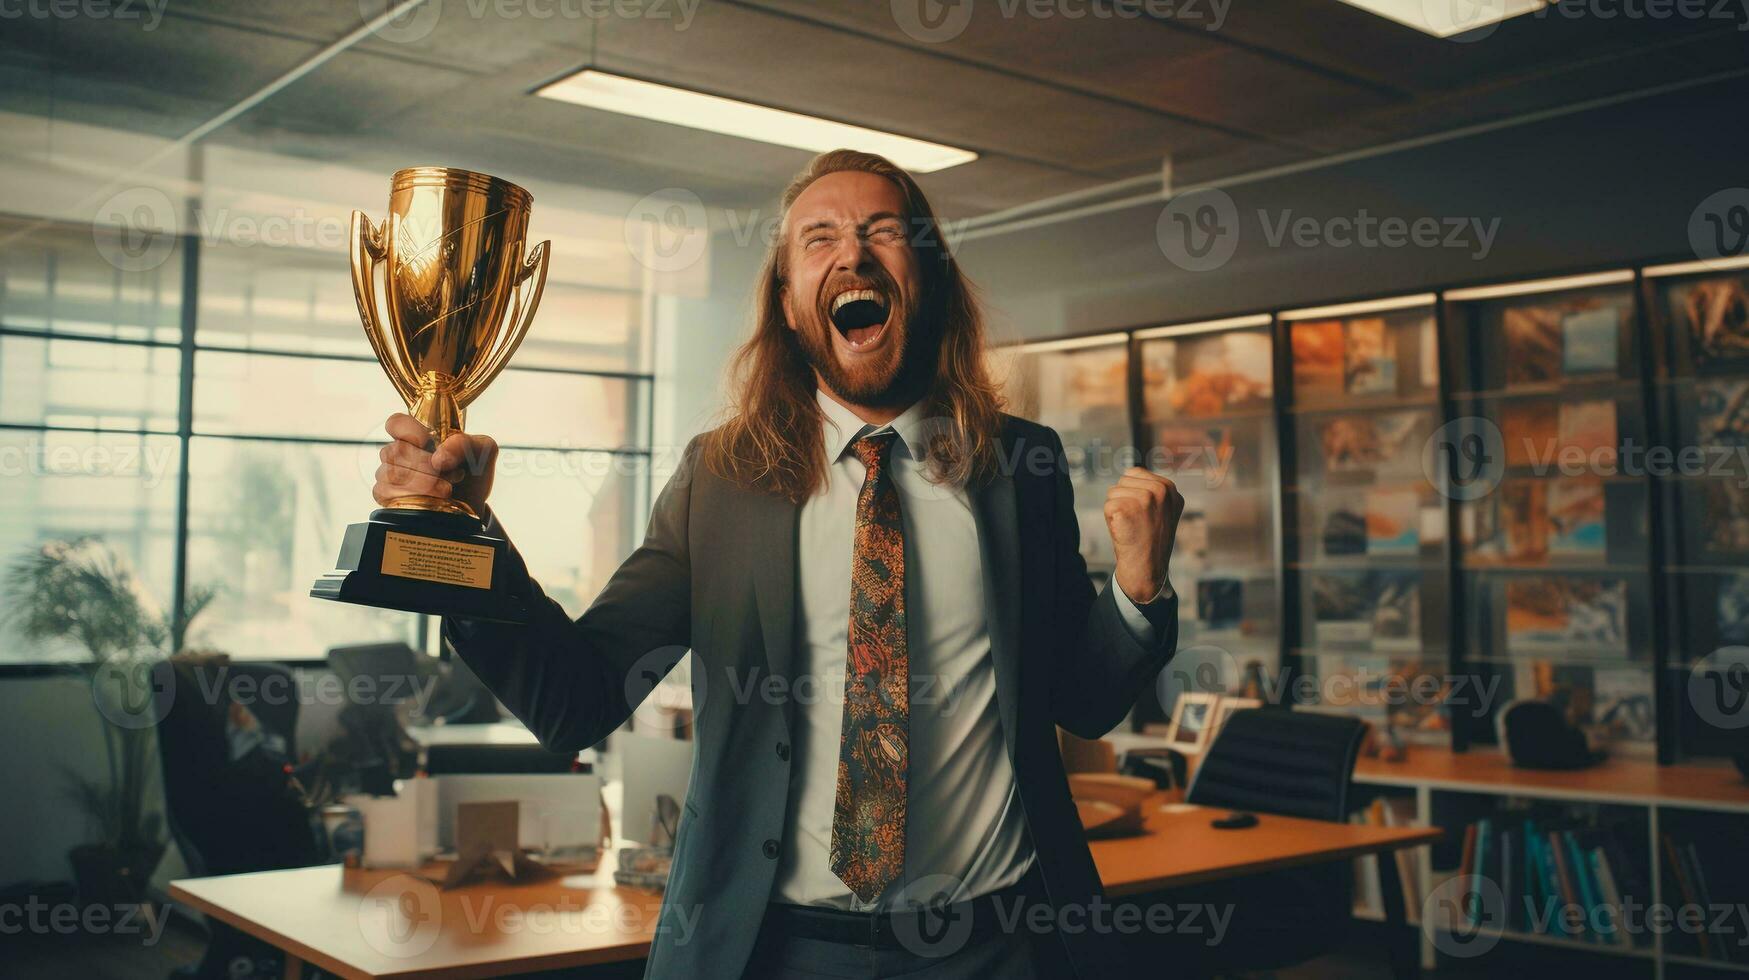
x=852, y=287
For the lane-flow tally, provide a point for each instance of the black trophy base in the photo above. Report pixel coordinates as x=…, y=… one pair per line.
x=425, y=562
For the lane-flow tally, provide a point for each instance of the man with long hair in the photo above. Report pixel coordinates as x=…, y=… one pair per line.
x=877, y=573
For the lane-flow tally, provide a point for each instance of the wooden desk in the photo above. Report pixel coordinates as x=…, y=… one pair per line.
x=359, y=924
x=1623, y=780
x=362, y=924
x=1181, y=848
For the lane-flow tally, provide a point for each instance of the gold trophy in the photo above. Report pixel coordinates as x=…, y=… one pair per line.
x=458, y=294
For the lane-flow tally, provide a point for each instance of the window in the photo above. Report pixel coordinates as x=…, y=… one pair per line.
x=244, y=474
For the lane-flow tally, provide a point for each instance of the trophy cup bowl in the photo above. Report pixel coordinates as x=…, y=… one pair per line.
x=458, y=291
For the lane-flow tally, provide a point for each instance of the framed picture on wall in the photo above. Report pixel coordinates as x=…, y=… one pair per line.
x=1193, y=721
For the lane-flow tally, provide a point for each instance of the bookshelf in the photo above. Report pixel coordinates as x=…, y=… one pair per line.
x=1509, y=489
x=1642, y=802
x=1585, y=564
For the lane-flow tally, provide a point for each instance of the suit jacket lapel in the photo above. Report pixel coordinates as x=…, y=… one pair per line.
x=995, y=510
x=773, y=533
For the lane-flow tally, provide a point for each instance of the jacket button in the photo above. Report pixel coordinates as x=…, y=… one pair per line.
x=770, y=849
x=783, y=751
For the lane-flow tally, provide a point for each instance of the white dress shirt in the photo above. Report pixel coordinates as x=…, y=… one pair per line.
x=964, y=817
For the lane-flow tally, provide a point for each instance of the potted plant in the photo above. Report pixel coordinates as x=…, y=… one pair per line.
x=81, y=591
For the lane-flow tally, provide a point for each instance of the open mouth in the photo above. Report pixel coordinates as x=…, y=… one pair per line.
x=860, y=315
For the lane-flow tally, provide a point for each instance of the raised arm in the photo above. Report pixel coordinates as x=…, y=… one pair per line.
x=568, y=679
x=1104, y=663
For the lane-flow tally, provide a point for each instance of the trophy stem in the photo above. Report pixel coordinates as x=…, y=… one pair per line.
x=437, y=410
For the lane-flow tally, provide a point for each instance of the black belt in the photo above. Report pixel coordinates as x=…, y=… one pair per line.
x=909, y=929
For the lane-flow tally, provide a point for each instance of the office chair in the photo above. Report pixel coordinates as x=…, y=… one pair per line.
x=227, y=815
x=1269, y=761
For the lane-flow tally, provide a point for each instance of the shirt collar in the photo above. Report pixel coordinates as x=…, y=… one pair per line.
x=842, y=427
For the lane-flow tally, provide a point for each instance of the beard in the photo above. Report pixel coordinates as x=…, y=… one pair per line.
x=893, y=376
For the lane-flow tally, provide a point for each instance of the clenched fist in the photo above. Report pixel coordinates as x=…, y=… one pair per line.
x=460, y=469
x=1141, y=512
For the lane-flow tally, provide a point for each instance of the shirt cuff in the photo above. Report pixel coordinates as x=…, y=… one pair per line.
x=1134, y=619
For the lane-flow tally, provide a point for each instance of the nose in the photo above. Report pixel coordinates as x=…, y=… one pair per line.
x=852, y=255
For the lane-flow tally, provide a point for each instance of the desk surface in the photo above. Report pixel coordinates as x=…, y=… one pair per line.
x=357, y=923
x=1637, y=782
x=1182, y=848
x=495, y=733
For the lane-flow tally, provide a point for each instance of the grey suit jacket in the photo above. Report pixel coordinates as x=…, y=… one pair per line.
x=716, y=574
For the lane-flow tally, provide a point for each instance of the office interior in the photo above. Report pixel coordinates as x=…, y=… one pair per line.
x=1436, y=313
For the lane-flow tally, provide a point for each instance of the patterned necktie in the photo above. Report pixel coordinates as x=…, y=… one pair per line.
x=868, y=818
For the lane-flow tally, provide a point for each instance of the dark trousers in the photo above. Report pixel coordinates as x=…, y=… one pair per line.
x=969, y=946
x=1001, y=956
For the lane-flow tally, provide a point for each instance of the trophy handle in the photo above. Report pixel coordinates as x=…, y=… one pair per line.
x=522, y=315
x=368, y=252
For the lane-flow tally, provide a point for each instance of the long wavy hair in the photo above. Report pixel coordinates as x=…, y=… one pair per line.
x=770, y=436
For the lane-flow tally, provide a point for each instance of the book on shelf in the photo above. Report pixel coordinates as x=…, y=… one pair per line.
x=1369, y=357
x=1532, y=337
x=1318, y=359
x=1529, y=429
x=1589, y=341
x=1557, y=875
x=1587, y=430
x=1215, y=375
x=1377, y=442
x=1576, y=513
x=1721, y=414
x=1717, y=314
x=1564, y=614
x=1345, y=527
x=1393, y=522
